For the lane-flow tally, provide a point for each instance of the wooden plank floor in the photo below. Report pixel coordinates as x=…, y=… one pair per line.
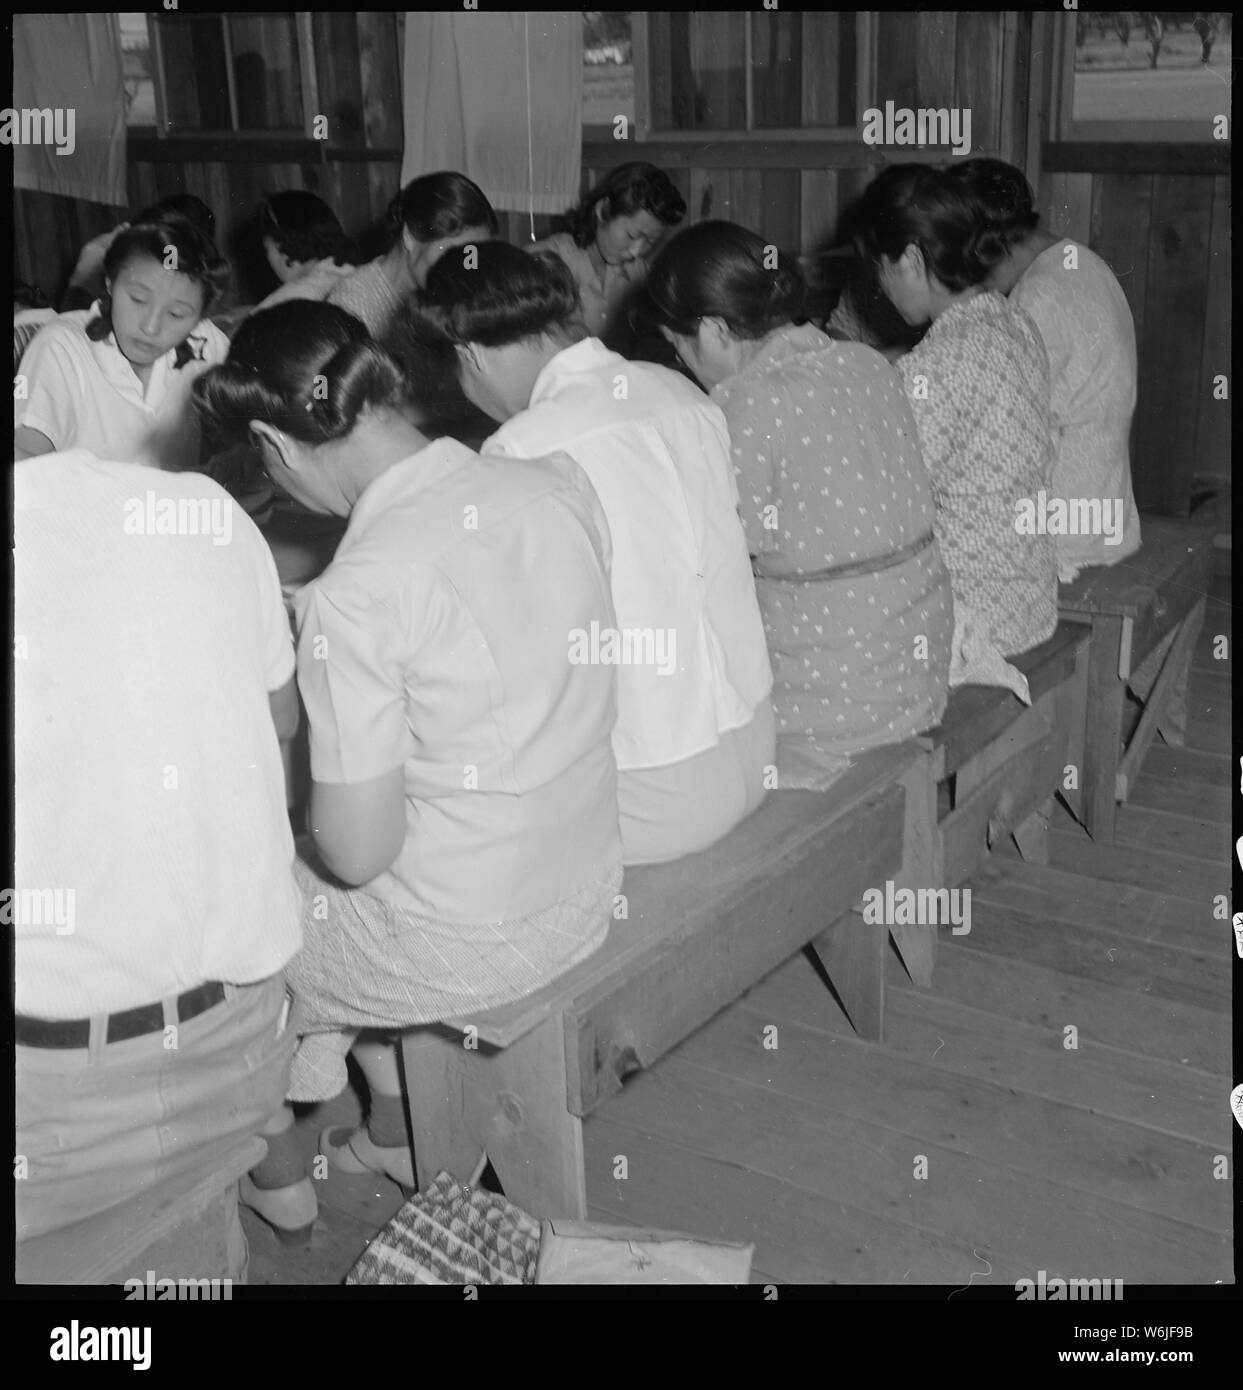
x=1089, y=1161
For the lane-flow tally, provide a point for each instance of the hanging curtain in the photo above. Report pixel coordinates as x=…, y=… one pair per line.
x=498, y=97
x=68, y=76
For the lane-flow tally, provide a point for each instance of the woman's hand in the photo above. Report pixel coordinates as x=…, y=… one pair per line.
x=91, y=257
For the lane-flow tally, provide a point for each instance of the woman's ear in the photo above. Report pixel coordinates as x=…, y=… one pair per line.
x=716, y=330
x=912, y=260
x=268, y=441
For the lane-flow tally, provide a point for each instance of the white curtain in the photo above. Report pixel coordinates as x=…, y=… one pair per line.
x=69, y=65
x=498, y=97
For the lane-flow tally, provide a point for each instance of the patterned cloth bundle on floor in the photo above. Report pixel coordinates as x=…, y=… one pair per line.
x=453, y=1234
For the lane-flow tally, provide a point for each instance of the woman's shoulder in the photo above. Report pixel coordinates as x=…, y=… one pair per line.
x=561, y=245
x=67, y=328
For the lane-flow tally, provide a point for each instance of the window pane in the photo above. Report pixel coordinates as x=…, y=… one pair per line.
x=1133, y=65
x=136, y=59
x=697, y=76
x=777, y=70
x=608, y=67
x=266, y=75
x=196, y=88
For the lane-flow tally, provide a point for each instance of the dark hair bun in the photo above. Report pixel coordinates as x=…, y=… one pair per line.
x=507, y=295
x=721, y=270
x=308, y=368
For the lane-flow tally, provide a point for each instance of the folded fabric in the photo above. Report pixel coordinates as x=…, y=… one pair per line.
x=803, y=765
x=975, y=658
x=453, y=1234
x=578, y=1252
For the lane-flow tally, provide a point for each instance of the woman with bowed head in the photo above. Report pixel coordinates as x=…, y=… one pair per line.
x=1085, y=323
x=694, y=738
x=430, y=216
x=464, y=842
x=835, y=500
x=978, y=385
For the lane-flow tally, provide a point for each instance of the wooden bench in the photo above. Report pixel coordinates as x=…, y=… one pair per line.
x=997, y=763
x=699, y=932
x=1145, y=614
x=178, y=1229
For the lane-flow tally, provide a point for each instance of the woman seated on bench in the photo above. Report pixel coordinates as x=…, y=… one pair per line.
x=695, y=731
x=978, y=384
x=1086, y=325
x=115, y=379
x=464, y=796
x=835, y=501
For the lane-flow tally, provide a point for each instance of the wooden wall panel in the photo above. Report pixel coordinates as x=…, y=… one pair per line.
x=822, y=36
x=1121, y=218
x=977, y=84
x=1169, y=379
x=897, y=58
x=817, y=209
x=936, y=57
x=779, y=208
x=1213, y=422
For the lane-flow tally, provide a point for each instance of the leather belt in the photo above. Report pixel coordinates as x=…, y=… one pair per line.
x=129, y=1023
x=883, y=562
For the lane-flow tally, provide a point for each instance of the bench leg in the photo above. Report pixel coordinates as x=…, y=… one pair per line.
x=509, y=1104
x=1172, y=721
x=1167, y=679
x=852, y=953
x=1103, y=735
x=921, y=868
x=1032, y=835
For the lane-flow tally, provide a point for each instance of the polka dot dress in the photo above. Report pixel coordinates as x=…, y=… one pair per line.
x=829, y=473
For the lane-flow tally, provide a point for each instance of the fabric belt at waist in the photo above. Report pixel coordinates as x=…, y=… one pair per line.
x=871, y=566
x=129, y=1023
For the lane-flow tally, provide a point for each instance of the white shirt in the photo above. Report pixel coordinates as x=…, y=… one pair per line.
x=657, y=451
x=85, y=395
x=1086, y=324
x=438, y=641
x=149, y=776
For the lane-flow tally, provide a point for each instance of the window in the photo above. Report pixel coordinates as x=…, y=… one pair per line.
x=608, y=67
x=1143, y=75
x=136, y=58
x=244, y=74
x=751, y=73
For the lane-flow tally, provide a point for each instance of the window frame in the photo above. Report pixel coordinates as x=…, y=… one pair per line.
x=307, y=72
x=865, y=87
x=1063, y=128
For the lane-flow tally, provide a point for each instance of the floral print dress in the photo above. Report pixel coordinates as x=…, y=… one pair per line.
x=978, y=385
x=829, y=475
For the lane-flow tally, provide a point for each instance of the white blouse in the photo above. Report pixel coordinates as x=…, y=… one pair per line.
x=84, y=394
x=1086, y=324
x=658, y=454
